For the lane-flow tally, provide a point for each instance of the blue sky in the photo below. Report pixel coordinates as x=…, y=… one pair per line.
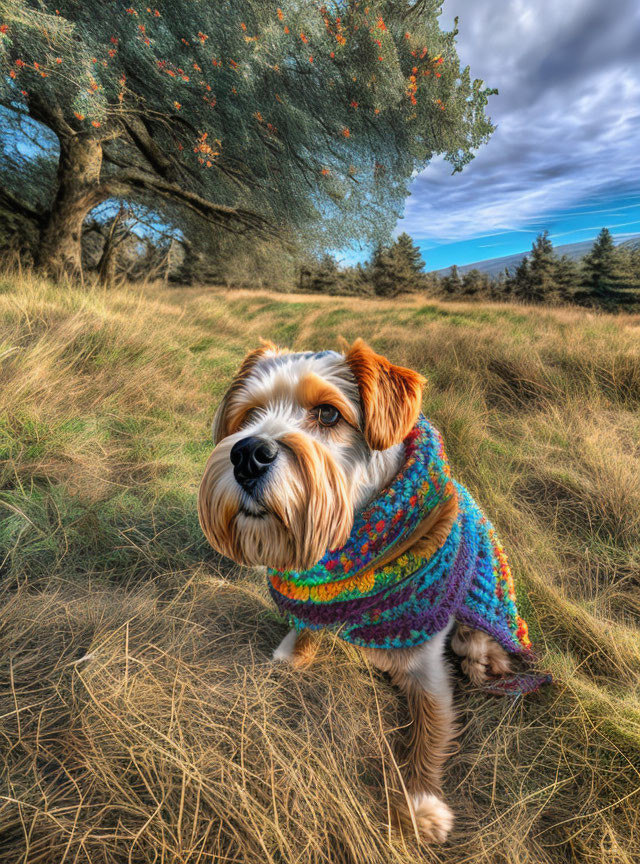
x=566, y=153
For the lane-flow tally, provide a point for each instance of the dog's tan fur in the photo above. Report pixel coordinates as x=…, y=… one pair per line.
x=481, y=655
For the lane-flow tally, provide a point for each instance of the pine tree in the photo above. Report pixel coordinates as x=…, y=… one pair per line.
x=567, y=278
x=503, y=284
x=627, y=269
x=409, y=263
x=540, y=285
x=323, y=275
x=255, y=115
x=452, y=283
x=382, y=271
x=475, y=282
x=599, y=266
x=520, y=283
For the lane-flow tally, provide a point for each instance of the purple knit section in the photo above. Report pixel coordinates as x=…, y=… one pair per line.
x=466, y=615
x=345, y=612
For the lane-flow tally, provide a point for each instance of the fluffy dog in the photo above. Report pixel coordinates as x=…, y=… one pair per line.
x=325, y=472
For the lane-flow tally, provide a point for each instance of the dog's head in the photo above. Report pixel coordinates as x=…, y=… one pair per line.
x=302, y=441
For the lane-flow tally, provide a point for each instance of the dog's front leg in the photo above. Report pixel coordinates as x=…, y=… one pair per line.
x=428, y=690
x=422, y=673
x=298, y=647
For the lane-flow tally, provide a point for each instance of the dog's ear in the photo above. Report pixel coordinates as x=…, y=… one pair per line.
x=223, y=417
x=390, y=396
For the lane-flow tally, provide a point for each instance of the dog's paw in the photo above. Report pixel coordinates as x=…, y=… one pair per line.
x=483, y=657
x=284, y=651
x=433, y=818
x=281, y=656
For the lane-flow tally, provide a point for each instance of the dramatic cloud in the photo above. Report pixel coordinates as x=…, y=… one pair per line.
x=568, y=118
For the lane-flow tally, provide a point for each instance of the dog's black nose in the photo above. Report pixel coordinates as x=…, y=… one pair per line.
x=251, y=458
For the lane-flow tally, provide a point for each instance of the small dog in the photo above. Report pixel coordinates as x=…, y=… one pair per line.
x=305, y=442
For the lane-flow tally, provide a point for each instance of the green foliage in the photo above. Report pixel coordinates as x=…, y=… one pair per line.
x=542, y=266
x=567, y=277
x=382, y=271
x=409, y=255
x=599, y=265
x=320, y=275
x=396, y=268
x=303, y=116
x=452, y=283
x=28, y=160
x=627, y=267
x=475, y=282
x=543, y=277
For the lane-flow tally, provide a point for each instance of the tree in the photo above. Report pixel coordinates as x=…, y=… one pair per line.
x=627, y=269
x=396, y=267
x=599, y=265
x=382, y=271
x=409, y=263
x=319, y=275
x=540, y=285
x=567, y=278
x=520, y=282
x=475, y=282
x=452, y=283
x=251, y=115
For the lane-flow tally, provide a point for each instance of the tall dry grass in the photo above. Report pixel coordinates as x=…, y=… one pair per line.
x=140, y=717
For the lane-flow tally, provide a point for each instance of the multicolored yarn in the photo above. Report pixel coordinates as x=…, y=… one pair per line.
x=408, y=600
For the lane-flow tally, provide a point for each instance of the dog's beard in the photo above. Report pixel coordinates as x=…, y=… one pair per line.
x=303, y=507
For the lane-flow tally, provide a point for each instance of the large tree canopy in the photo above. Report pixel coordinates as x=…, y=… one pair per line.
x=253, y=115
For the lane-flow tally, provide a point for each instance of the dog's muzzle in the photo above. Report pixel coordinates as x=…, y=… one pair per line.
x=251, y=459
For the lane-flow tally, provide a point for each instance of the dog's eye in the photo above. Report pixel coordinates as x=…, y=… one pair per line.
x=327, y=415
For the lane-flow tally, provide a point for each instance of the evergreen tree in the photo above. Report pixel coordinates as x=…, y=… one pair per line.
x=503, y=285
x=567, y=278
x=627, y=267
x=540, y=285
x=321, y=276
x=475, y=282
x=452, y=283
x=599, y=266
x=409, y=263
x=382, y=271
x=254, y=115
x=520, y=283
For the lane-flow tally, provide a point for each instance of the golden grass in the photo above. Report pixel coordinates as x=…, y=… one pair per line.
x=140, y=717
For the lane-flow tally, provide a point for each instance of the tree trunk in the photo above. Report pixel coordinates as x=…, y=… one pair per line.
x=79, y=191
x=107, y=264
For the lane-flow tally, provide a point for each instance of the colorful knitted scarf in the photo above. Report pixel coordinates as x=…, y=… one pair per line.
x=408, y=600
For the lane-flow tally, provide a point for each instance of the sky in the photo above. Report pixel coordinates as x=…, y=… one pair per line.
x=566, y=152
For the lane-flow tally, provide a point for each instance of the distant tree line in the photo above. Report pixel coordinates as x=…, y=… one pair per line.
x=608, y=276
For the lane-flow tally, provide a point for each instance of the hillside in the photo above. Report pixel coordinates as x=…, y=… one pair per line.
x=140, y=716
x=496, y=266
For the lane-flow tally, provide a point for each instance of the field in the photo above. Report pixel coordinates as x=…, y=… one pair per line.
x=140, y=717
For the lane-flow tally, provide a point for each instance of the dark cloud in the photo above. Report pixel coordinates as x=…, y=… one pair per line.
x=568, y=114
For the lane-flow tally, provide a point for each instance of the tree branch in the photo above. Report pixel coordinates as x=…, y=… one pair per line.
x=9, y=202
x=140, y=136
x=218, y=214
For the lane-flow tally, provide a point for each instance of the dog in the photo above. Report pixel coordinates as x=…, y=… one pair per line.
x=304, y=442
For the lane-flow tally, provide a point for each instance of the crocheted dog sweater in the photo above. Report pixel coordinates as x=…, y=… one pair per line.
x=408, y=600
